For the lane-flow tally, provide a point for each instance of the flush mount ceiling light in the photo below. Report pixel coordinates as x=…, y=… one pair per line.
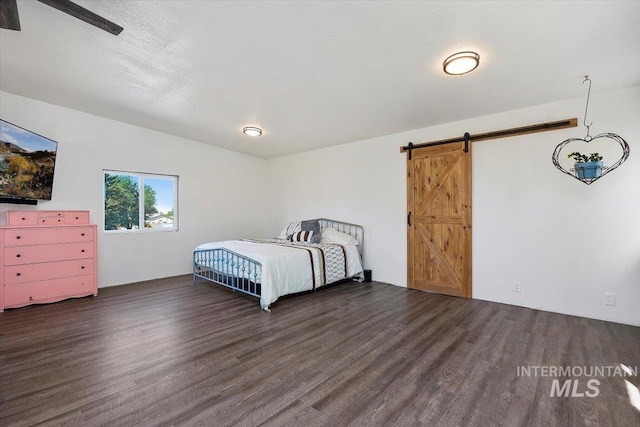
x=252, y=131
x=461, y=63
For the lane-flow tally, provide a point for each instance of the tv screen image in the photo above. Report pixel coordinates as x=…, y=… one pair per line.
x=27, y=163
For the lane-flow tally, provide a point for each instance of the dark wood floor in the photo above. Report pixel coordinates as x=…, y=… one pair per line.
x=168, y=352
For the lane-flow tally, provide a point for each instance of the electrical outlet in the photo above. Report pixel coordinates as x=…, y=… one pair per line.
x=516, y=287
x=609, y=298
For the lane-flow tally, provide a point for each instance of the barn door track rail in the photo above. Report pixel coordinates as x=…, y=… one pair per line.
x=504, y=133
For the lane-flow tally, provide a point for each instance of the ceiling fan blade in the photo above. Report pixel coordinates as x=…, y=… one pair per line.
x=80, y=12
x=9, y=15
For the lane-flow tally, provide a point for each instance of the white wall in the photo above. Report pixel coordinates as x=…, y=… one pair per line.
x=219, y=190
x=566, y=242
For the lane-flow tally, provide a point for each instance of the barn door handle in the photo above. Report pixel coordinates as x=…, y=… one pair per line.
x=409, y=219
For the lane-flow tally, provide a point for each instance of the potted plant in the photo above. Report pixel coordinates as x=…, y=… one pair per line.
x=587, y=167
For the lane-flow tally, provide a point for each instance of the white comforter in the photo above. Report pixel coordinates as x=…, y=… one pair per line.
x=285, y=270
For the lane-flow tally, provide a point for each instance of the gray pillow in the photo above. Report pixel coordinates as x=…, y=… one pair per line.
x=314, y=226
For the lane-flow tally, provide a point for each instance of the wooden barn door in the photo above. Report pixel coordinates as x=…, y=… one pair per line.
x=439, y=222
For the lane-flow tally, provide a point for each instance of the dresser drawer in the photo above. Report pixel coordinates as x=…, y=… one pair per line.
x=50, y=270
x=50, y=217
x=79, y=217
x=22, y=218
x=44, y=236
x=17, y=295
x=63, y=288
x=17, y=255
x=50, y=220
x=48, y=290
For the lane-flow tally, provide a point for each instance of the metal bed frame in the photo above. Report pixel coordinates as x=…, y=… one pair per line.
x=241, y=273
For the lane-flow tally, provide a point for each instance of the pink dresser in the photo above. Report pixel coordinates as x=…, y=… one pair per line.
x=47, y=256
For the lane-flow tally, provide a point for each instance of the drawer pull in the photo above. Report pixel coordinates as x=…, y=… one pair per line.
x=59, y=220
x=17, y=274
x=77, y=218
x=82, y=234
x=18, y=255
x=24, y=219
x=30, y=298
x=80, y=251
x=18, y=237
x=82, y=267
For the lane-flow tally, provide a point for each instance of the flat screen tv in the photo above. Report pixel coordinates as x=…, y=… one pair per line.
x=27, y=162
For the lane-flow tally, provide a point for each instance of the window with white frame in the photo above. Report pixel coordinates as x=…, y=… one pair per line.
x=139, y=202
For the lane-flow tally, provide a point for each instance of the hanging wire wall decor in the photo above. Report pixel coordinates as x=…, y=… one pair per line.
x=590, y=168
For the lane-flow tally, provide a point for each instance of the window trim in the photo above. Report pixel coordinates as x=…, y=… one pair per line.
x=141, y=176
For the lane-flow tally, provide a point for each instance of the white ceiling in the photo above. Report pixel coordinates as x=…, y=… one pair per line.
x=314, y=74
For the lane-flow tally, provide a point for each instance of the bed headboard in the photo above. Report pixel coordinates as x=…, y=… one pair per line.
x=351, y=229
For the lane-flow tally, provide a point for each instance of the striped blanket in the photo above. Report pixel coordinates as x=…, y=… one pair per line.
x=328, y=262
